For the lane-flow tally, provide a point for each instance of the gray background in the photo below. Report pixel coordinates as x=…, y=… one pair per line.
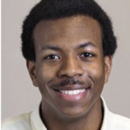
x=18, y=93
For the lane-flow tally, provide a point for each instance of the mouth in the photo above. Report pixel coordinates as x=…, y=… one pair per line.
x=73, y=95
x=72, y=92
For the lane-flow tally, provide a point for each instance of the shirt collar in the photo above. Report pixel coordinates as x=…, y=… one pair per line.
x=106, y=124
x=37, y=124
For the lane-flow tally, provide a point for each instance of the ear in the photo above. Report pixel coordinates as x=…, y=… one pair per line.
x=32, y=71
x=108, y=65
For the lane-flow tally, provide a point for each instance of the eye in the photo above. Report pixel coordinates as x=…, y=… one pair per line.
x=52, y=57
x=87, y=55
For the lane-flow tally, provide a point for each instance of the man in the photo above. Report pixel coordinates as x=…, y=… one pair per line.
x=68, y=46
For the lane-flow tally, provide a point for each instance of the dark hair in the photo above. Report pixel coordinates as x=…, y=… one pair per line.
x=56, y=9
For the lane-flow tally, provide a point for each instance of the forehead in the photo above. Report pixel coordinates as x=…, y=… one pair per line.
x=74, y=29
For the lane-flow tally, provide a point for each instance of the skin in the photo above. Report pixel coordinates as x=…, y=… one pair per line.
x=69, y=56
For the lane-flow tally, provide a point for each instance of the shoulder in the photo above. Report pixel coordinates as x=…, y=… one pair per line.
x=114, y=121
x=120, y=122
x=20, y=122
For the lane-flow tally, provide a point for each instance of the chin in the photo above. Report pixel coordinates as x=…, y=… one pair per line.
x=74, y=113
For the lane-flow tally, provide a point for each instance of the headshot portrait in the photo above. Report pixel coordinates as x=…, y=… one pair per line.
x=65, y=65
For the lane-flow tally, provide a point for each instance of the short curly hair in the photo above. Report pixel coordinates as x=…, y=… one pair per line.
x=57, y=9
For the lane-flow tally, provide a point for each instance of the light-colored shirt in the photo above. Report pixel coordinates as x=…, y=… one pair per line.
x=32, y=121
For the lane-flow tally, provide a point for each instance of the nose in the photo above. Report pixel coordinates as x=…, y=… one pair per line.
x=70, y=68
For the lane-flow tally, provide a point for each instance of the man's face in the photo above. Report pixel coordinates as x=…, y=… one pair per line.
x=70, y=69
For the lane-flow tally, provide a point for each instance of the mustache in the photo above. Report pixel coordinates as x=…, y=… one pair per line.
x=66, y=82
x=70, y=82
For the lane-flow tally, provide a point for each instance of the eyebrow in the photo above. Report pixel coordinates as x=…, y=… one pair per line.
x=51, y=47
x=86, y=45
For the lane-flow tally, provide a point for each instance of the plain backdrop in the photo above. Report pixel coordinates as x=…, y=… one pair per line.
x=18, y=93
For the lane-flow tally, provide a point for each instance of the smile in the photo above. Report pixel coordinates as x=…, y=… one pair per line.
x=72, y=92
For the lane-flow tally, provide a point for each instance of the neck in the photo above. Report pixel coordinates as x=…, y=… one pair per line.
x=90, y=121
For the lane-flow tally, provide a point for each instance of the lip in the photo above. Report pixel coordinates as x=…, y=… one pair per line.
x=71, y=87
x=72, y=98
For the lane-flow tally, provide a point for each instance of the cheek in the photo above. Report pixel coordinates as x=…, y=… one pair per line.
x=96, y=72
x=45, y=74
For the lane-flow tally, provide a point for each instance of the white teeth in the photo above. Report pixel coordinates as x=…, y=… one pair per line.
x=72, y=92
